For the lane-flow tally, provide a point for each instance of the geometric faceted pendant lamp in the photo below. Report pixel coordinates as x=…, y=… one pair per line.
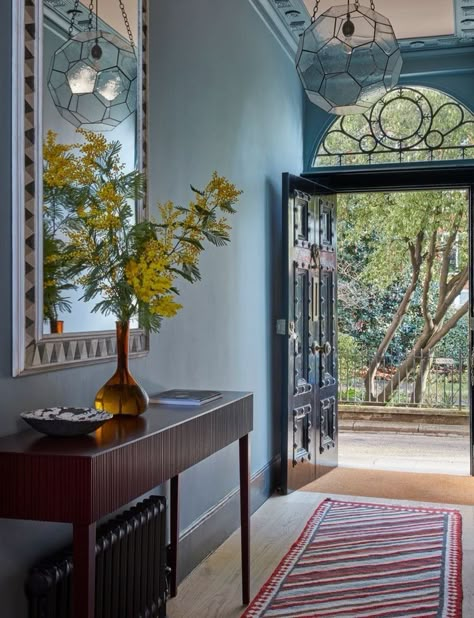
x=93, y=76
x=348, y=58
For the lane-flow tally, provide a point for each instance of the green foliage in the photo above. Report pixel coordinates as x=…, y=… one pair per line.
x=56, y=276
x=388, y=223
x=455, y=344
x=129, y=268
x=348, y=346
x=375, y=234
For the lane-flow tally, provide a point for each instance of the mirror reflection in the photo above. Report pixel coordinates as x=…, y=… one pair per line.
x=90, y=87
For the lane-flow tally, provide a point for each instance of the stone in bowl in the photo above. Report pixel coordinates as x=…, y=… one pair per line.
x=65, y=421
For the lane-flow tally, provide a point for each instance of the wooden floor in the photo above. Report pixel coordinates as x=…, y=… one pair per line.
x=213, y=589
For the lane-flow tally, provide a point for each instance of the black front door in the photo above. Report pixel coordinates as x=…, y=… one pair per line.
x=309, y=423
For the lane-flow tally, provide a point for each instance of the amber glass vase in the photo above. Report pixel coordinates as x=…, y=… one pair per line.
x=122, y=394
x=56, y=327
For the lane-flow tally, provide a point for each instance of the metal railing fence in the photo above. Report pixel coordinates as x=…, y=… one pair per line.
x=446, y=383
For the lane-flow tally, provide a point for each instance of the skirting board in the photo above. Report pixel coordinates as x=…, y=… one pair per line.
x=218, y=523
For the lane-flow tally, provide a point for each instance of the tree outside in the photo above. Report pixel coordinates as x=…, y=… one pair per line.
x=403, y=272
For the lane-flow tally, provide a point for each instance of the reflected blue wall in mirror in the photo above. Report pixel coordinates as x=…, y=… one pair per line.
x=56, y=26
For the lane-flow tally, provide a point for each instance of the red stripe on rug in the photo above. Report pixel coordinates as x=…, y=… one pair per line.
x=342, y=572
x=374, y=584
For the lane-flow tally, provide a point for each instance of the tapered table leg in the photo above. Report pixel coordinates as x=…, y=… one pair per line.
x=174, y=534
x=83, y=578
x=244, y=465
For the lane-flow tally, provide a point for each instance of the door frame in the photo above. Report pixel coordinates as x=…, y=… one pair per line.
x=414, y=178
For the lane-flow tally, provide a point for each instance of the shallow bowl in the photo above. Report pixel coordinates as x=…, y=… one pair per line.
x=66, y=421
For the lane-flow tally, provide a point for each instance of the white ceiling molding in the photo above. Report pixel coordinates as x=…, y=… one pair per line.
x=286, y=20
x=464, y=18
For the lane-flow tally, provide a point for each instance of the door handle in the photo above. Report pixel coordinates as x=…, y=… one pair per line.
x=292, y=334
x=315, y=256
x=325, y=349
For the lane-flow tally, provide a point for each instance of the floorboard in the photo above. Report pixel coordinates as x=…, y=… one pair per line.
x=213, y=590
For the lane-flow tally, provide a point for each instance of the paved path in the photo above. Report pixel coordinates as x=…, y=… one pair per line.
x=405, y=452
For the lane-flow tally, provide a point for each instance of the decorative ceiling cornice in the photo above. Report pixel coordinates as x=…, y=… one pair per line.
x=286, y=19
x=464, y=18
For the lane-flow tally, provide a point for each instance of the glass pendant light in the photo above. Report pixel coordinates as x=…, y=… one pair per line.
x=93, y=76
x=348, y=58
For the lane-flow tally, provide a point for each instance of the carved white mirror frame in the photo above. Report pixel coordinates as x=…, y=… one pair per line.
x=32, y=351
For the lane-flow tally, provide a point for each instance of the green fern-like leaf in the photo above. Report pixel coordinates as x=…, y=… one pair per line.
x=218, y=239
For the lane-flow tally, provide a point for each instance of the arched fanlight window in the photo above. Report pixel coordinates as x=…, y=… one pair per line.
x=407, y=125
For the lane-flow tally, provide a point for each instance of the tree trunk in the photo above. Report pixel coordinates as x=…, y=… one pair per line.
x=404, y=369
x=424, y=368
x=416, y=261
x=426, y=342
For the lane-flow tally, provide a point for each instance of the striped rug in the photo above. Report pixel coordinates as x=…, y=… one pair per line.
x=356, y=560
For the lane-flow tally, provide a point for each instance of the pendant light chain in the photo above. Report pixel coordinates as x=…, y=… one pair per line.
x=91, y=15
x=74, y=14
x=127, y=23
x=313, y=17
x=315, y=11
x=93, y=75
x=90, y=23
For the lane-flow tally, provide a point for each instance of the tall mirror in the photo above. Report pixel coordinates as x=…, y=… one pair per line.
x=82, y=74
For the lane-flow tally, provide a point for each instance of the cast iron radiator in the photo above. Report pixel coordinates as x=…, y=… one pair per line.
x=131, y=572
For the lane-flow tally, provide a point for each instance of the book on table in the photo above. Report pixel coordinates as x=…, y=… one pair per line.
x=181, y=397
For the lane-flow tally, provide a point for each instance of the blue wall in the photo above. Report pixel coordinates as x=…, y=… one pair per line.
x=223, y=95
x=448, y=70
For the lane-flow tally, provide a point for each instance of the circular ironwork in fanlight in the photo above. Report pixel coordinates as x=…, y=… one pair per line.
x=96, y=91
x=348, y=58
x=367, y=143
x=402, y=119
x=408, y=124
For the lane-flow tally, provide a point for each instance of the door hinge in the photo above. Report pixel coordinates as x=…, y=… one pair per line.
x=281, y=328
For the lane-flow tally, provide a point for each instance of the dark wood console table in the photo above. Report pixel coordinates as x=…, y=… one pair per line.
x=81, y=480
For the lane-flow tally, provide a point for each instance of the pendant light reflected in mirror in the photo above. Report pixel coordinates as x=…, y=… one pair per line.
x=93, y=76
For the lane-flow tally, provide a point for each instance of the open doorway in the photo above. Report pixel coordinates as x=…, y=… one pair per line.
x=414, y=140
x=313, y=380
x=403, y=309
